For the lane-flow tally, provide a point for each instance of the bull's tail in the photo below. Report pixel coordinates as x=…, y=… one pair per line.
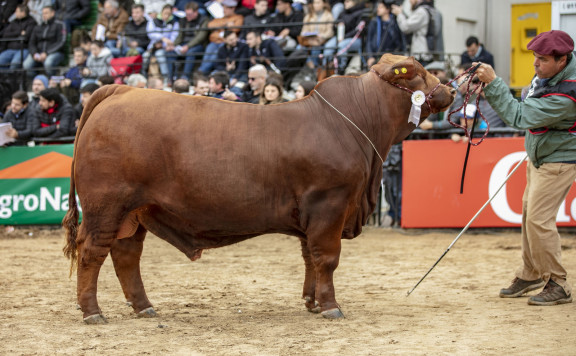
x=70, y=221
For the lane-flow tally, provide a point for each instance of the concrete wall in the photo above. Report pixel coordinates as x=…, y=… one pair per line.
x=489, y=20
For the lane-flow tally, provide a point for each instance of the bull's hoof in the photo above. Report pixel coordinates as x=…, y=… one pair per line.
x=335, y=313
x=147, y=313
x=95, y=319
x=316, y=309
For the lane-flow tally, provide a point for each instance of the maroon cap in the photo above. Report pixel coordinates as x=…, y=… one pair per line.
x=552, y=43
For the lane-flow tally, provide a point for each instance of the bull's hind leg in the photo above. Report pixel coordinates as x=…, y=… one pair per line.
x=309, y=290
x=126, y=258
x=93, y=248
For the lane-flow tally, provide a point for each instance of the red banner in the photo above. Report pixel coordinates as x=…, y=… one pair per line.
x=432, y=171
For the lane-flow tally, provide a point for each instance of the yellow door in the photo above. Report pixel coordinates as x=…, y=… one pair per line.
x=528, y=20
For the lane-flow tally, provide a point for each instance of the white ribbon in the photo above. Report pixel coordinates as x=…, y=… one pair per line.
x=418, y=99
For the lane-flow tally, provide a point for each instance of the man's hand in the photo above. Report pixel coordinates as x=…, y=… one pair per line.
x=485, y=73
x=12, y=133
x=426, y=125
x=228, y=95
x=230, y=66
x=396, y=10
x=184, y=49
x=284, y=33
x=370, y=61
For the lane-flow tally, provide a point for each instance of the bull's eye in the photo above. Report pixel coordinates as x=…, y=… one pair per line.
x=396, y=71
x=404, y=70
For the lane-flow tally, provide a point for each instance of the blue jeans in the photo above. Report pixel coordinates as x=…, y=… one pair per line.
x=342, y=60
x=12, y=58
x=161, y=55
x=210, y=57
x=111, y=45
x=191, y=56
x=52, y=61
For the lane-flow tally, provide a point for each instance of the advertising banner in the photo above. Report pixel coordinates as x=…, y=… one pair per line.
x=34, y=184
x=432, y=171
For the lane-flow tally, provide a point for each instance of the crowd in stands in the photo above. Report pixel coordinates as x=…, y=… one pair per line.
x=255, y=51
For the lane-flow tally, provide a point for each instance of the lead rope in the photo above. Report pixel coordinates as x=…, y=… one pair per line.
x=353, y=124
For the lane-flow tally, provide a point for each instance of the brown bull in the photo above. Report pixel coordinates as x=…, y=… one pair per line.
x=202, y=173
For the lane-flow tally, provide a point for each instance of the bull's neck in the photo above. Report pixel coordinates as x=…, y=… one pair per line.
x=347, y=98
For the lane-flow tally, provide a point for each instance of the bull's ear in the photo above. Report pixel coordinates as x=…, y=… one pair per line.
x=405, y=69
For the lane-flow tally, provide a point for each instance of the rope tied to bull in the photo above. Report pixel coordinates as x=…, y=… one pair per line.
x=353, y=124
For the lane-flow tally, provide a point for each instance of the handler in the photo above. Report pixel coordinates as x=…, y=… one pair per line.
x=549, y=115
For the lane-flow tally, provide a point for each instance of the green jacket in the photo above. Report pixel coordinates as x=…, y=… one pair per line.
x=556, y=112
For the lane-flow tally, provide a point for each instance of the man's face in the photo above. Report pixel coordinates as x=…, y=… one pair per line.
x=20, y=14
x=191, y=14
x=45, y=104
x=84, y=98
x=214, y=87
x=79, y=58
x=382, y=10
x=95, y=49
x=202, y=88
x=256, y=80
x=231, y=40
x=137, y=14
x=228, y=11
x=281, y=6
x=47, y=14
x=472, y=50
x=166, y=13
x=252, y=40
x=109, y=10
x=260, y=8
x=17, y=105
x=37, y=86
x=546, y=66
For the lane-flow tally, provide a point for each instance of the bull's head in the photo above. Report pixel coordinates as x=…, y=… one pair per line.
x=408, y=73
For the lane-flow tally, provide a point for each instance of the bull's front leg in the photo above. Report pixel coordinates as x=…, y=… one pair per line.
x=324, y=245
x=309, y=290
x=126, y=255
x=91, y=255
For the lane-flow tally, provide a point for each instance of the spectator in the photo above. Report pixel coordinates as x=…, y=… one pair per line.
x=217, y=36
x=351, y=17
x=257, y=18
x=55, y=117
x=136, y=35
x=201, y=85
x=233, y=58
x=313, y=35
x=337, y=7
x=12, y=53
x=36, y=6
x=98, y=64
x=181, y=86
x=46, y=45
x=136, y=80
x=265, y=52
x=162, y=32
x=191, y=39
x=384, y=35
x=39, y=83
x=155, y=83
x=438, y=69
x=113, y=19
x=70, y=85
x=475, y=52
x=72, y=12
x=272, y=92
x=21, y=117
x=218, y=82
x=435, y=35
x=105, y=80
x=257, y=76
x=247, y=7
x=85, y=94
x=415, y=27
x=304, y=88
x=154, y=7
x=285, y=35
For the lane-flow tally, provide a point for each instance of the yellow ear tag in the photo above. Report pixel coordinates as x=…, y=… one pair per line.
x=404, y=70
x=396, y=71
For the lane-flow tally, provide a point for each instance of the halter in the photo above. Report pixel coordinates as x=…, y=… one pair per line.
x=428, y=96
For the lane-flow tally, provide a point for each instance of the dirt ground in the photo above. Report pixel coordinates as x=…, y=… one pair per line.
x=245, y=300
